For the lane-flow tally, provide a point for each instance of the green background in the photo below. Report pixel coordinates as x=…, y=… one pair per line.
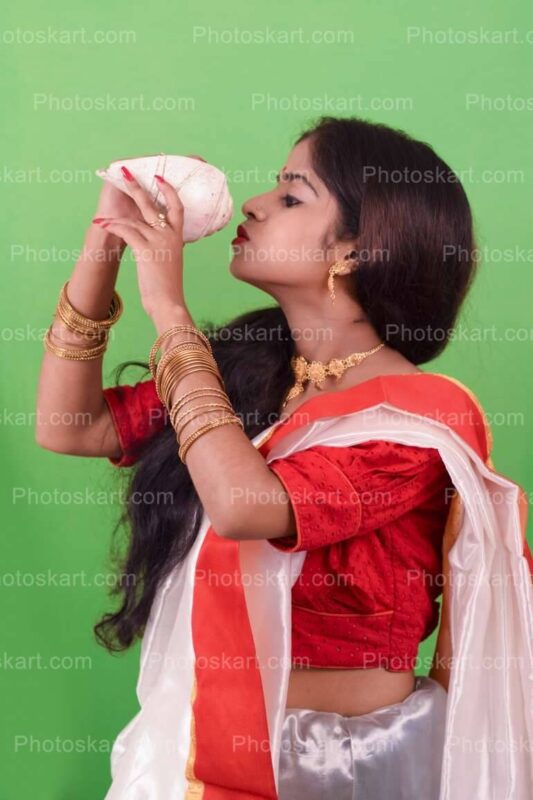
x=44, y=220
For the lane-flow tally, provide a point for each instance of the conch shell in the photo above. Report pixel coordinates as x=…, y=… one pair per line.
x=203, y=189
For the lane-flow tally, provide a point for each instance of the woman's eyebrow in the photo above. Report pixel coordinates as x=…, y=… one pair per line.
x=294, y=176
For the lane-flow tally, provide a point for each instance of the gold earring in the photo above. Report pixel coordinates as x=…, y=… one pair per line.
x=338, y=268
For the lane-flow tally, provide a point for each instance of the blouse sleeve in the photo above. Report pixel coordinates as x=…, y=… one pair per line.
x=336, y=493
x=137, y=415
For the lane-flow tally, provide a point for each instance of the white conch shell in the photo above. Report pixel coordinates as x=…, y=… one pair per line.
x=203, y=189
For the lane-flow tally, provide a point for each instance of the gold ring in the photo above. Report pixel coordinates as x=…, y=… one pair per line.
x=160, y=222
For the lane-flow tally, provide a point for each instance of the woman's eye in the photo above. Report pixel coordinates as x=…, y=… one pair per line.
x=289, y=200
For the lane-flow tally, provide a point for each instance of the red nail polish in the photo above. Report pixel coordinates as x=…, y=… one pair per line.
x=127, y=174
x=105, y=224
x=98, y=219
x=159, y=178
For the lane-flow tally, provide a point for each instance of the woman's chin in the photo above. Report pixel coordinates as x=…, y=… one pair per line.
x=236, y=269
x=248, y=273
x=239, y=267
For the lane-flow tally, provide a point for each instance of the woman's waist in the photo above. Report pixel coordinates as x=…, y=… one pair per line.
x=349, y=692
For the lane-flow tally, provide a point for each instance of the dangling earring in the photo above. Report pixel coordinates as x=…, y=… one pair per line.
x=338, y=268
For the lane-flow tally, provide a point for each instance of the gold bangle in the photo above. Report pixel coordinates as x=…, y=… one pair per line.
x=202, y=391
x=191, y=371
x=169, y=366
x=207, y=390
x=173, y=352
x=75, y=317
x=177, y=414
x=170, y=332
x=178, y=367
x=179, y=405
x=82, y=324
x=196, y=435
x=184, y=353
x=97, y=337
x=76, y=354
x=181, y=347
x=181, y=423
x=190, y=356
x=174, y=378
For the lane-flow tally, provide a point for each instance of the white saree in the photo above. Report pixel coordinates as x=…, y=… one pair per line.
x=489, y=717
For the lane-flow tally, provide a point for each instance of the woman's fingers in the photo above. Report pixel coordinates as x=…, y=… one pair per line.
x=132, y=231
x=175, y=208
x=142, y=199
x=138, y=224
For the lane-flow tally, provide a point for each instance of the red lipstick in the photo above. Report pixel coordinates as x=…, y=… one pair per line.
x=242, y=235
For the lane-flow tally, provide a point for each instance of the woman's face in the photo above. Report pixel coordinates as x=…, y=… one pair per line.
x=291, y=231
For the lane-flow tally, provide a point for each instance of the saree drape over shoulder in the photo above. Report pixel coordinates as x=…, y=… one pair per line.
x=216, y=654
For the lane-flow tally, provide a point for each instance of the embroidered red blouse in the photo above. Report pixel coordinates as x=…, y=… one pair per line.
x=370, y=516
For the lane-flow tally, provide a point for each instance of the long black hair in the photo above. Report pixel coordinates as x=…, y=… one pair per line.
x=415, y=253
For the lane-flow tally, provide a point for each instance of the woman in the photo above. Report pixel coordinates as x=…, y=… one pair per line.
x=289, y=555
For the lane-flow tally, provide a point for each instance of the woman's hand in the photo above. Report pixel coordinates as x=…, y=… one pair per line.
x=158, y=251
x=113, y=202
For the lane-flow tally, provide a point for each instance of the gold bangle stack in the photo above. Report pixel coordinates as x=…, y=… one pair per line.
x=74, y=354
x=179, y=361
x=166, y=334
x=78, y=323
x=204, y=429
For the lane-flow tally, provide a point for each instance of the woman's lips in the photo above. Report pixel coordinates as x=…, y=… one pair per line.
x=242, y=235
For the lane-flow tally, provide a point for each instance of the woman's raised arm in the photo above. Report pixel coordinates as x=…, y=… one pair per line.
x=72, y=415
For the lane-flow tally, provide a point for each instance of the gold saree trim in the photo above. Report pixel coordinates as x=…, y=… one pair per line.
x=195, y=787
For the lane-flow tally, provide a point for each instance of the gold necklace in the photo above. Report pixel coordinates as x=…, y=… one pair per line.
x=318, y=371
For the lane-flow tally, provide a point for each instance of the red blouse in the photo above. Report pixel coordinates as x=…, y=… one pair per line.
x=371, y=517
x=138, y=414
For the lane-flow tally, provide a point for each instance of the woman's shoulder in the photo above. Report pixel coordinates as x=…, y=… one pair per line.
x=447, y=391
x=444, y=398
x=430, y=396
x=441, y=386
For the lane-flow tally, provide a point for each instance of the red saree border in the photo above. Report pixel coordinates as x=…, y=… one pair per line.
x=434, y=400
x=232, y=745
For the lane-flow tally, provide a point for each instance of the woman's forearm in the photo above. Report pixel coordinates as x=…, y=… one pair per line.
x=242, y=497
x=69, y=398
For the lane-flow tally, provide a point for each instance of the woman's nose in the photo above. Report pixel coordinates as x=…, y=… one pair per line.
x=251, y=208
